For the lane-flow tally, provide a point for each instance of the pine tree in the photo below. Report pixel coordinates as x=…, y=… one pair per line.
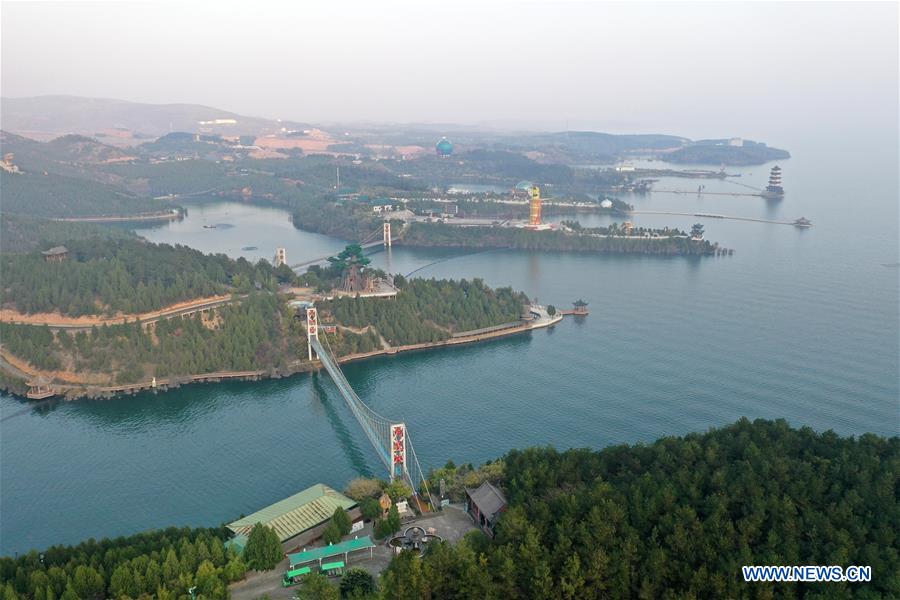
x=341, y=521
x=263, y=549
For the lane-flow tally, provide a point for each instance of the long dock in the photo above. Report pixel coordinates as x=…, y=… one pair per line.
x=709, y=216
x=704, y=193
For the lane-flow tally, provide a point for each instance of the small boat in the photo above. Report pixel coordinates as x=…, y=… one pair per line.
x=209, y=227
x=802, y=222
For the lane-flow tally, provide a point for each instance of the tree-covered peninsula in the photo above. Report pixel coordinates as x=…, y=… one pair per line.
x=667, y=242
x=83, y=323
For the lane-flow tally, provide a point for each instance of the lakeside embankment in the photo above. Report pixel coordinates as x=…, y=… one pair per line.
x=73, y=391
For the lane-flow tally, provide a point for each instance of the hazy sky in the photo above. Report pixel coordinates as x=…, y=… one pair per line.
x=687, y=68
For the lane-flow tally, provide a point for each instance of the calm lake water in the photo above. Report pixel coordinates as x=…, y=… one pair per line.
x=799, y=324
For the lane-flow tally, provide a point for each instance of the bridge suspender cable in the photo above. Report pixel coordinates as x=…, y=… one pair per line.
x=391, y=440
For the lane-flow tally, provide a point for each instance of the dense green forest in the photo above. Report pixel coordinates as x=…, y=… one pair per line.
x=719, y=152
x=429, y=310
x=19, y=233
x=256, y=333
x=52, y=195
x=346, y=220
x=442, y=235
x=677, y=519
x=161, y=564
x=125, y=275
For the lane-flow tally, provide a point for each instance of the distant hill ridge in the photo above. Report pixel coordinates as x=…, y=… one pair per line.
x=47, y=117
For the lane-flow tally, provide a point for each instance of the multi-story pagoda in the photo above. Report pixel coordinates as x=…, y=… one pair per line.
x=774, y=189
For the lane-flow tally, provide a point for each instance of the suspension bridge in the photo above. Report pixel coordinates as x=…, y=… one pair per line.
x=389, y=437
x=370, y=241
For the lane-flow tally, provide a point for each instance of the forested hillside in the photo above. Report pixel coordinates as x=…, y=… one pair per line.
x=19, y=233
x=344, y=220
x=156, y=564
x=129, y=276
x=260, y=332
x=429, y=310
x=40, y=194
x=678, y=518
x=716, y=152
x=257, y=333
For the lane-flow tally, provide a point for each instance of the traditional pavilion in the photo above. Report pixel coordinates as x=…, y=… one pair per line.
x=39, y=389
x=485, y=504
x=56, y=254
x=580, y=307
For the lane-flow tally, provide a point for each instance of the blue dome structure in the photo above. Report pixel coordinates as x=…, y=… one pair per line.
x=444, y=147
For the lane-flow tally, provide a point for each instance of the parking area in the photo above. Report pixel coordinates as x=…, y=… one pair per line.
x=451, y=524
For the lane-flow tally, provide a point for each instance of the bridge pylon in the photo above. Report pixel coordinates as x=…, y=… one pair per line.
x=398, y=451
x=387, y=234
x=312, y=329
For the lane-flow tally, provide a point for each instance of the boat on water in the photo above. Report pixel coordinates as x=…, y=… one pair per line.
x=802, y=222
x=209, y=227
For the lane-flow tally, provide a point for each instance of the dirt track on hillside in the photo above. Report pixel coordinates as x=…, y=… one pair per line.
x=8, y=315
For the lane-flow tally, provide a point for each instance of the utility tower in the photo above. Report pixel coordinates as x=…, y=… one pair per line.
x=387, y=234
x=312, y=328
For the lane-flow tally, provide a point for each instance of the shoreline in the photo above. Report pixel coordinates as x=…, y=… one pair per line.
x=78, y=392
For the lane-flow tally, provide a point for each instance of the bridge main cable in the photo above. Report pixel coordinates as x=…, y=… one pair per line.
x=390, y=439
x=375, y=426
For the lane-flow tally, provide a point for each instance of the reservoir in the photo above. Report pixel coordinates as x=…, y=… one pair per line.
x=797, y=324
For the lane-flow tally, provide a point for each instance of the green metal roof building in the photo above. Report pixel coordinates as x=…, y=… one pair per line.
x=319, y=554
x=292, y=516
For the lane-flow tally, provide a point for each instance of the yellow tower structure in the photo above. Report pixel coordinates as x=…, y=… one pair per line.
x=535, y=219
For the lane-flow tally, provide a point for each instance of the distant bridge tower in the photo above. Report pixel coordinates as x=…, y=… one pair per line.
x=312, y=328
x=387, y=234
x=280, y=257
x=535, y=217
x=398, y=451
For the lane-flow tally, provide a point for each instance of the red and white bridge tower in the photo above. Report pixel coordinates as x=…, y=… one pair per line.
x=312, y=328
